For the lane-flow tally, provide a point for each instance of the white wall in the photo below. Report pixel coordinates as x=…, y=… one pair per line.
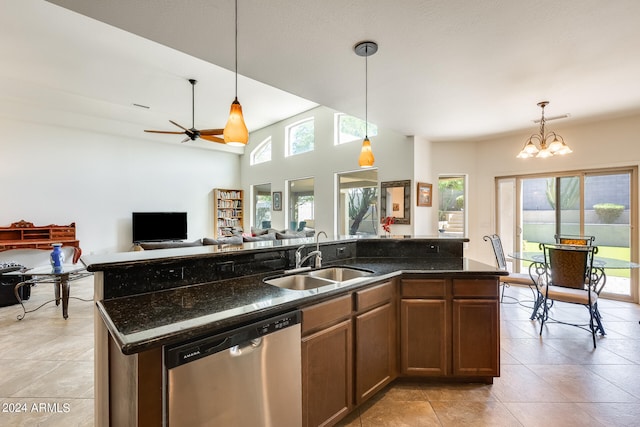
x=605, y=143
x=393, y=158
x=424, y=218
x=59, y=175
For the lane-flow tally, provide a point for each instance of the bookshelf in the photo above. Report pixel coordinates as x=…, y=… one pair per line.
x=228, y=211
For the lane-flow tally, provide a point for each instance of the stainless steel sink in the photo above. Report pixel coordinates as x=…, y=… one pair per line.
x=299, y=282
x=314, y=279
x=339, y=274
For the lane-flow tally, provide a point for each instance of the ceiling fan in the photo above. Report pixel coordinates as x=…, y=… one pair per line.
x=213, y=135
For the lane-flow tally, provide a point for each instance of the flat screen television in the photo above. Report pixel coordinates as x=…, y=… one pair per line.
x=158, y=226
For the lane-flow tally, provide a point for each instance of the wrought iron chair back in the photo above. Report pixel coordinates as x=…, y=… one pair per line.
x=513, y=278
x=570, y=239
x=498, y=251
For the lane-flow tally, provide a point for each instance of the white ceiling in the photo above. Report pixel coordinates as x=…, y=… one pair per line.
x=445, y=69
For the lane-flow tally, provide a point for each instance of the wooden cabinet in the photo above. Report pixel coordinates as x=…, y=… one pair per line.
x=375, y=340
x=450, y=327
x=23, y=234
x=349, y=347
x=424, y=335
x=228, y=211
x=327, y=362
x=424, y=328
x=476, y=328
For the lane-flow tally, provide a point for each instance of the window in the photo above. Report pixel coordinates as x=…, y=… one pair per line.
x=594, y=203
x=262, y=153
x=349, y=128
x=300, y=137
x=357, y=203
x=451, y=205
x=301, y=203
x=262, y=205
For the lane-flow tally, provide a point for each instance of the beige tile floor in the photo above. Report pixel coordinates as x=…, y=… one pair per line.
x=46, y=362
x=46, y=369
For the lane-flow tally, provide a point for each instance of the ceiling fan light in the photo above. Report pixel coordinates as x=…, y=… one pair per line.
x=235, y=132
x=366, y=158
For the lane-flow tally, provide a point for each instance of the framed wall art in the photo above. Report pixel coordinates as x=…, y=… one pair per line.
x=277, y=200
x=425, y=194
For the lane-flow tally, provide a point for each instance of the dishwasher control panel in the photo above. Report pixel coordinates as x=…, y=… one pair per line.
x=277, y=324
x=179, y=354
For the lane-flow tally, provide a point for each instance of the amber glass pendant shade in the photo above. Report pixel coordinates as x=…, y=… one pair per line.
x=366, y=155
x=235, y=131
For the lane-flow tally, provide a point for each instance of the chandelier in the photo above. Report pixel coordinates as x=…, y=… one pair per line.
x=548, y=147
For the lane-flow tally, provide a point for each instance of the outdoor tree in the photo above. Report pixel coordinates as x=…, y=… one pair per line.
x=360, y=200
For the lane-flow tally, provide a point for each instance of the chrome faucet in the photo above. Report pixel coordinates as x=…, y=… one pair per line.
x=318, y=239
x=317, y=253
x=311, y=254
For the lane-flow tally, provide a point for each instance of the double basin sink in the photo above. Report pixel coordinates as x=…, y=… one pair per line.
x=315, y=279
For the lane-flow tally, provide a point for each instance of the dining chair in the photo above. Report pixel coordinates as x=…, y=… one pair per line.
x=571, y=239
x=513, y=278
x=570, y=277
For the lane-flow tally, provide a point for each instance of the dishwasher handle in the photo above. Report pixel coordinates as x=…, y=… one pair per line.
x=246, y=348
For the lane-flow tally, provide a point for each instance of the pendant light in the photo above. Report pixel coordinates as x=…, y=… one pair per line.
x=235, y=131
x=366, y=49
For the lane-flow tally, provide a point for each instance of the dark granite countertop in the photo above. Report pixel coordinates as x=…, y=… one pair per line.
x=145, y=321
x=101, y=262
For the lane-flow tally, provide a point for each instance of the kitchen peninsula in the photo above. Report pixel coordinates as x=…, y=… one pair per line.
x=423, y=311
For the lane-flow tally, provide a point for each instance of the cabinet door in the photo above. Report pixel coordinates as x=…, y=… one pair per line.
x=424, y=337
x=476, y=346
x=327, y=372
x=375, y=351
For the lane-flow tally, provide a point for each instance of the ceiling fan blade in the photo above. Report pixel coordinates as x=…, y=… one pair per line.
x=211, y=131
x=181, y=127
x=212, y=138
x=164, y=131
x=185, y=140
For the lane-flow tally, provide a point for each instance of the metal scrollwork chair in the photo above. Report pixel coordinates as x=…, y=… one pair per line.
x=569, y=276
x=512, y=278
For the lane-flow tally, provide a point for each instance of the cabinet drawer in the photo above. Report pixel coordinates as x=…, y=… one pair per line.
x=376, y=295
x=475, y=288
x=424, y=288
x=326, y=314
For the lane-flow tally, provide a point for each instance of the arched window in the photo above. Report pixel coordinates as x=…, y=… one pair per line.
x=348, y=128
x=300, y=137
x=262, y=153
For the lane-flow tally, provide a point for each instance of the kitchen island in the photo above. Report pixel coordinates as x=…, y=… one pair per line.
x=438, y=311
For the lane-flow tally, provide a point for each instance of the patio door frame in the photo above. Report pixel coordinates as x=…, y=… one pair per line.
x=509, y=222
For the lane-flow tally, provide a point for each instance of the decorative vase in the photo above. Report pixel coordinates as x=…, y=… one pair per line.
x=57, y=257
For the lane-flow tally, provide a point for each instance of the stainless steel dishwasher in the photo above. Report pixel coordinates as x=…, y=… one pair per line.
x=249, y=376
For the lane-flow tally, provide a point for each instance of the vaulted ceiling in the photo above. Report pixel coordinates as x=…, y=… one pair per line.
x=445, y=69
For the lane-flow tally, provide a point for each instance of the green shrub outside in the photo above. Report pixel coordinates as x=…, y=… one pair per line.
x=608, y=212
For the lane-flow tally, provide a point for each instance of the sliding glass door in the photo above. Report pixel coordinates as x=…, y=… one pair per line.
x=597, y=203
